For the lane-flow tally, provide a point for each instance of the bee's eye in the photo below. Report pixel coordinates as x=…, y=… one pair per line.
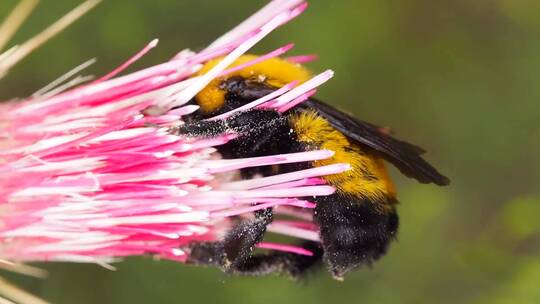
x=233, y=84
x=245, y=90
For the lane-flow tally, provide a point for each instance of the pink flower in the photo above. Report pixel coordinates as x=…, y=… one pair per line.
x=85, y=177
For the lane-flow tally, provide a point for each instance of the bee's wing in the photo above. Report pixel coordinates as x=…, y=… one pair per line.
x=405, y=156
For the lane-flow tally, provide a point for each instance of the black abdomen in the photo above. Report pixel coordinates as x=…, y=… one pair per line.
x=353, y=233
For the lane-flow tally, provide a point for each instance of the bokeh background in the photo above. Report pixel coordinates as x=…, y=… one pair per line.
x=458, y=77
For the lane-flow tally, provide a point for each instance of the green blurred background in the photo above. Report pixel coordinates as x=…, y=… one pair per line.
x=457, y=77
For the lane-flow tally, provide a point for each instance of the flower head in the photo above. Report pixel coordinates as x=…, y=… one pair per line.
x=94, y=173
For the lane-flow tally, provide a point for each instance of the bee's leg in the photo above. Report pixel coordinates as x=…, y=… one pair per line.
x=201, y=128
x=235, y=253
x=241, y=240
x=236, y=247
x=353, y=231
x=252, y=122
x=291, y=264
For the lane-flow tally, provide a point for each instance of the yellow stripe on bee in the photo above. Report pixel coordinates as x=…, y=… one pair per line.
x=368, y=177
x=275, y=72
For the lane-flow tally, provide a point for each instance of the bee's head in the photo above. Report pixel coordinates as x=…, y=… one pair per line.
x=233, y=90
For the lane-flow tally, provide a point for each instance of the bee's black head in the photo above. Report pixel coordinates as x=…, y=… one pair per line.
x=247, y=84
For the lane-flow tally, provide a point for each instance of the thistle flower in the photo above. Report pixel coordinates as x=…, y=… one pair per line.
x=94, y=173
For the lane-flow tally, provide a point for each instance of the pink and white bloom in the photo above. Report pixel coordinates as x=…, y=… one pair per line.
x=86, y=177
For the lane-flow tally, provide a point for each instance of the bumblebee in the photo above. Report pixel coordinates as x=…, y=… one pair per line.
x=356, y=223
